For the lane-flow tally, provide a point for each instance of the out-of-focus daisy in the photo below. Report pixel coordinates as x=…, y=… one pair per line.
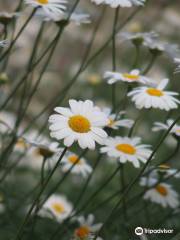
x=7, y=121
x=21, y=145
x=162, y=193
x=158, y=47
x=94, y=78
x=37, y=153
x=80, y=166
x=127, y=150
x=151, y=41
x=4, y=79
x=53, y=8
x=6, y=18
x=4, y=43
x=121, y=3
x=133, y=76
x=177, y=62
x=76, y=18
x=168, y=171
x=116, y=120
x=82, y=122
x=138, y=37
x=154, y=97
x=87, y=228
x=158, y=126
x=56, y=206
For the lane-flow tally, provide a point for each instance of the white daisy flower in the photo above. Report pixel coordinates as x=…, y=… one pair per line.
x=138, y=37
x=168, y=171
x=154, y=97
x=6, y=17
x=38, y=152
x=53, y=8
x=87, y=228
x=82, y=122
x=133, y=76
x=127, y=150
x=4, y=43
x=177, y=62
x=116, y=120
x=25, y=141
x=158, y=47
x=7, y=121
x=158, y=126
x=56, y=206
x=80, y=18
x=121, y=3
x=162, y=193
x=79, y=166
x=151, y=40
x=76, y=18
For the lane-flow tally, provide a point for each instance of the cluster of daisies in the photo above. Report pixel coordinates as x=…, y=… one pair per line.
x=150, y=95
x=59, y=208
x=85, y=123
x=57, y=10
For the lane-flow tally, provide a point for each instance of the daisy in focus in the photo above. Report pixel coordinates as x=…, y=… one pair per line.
x=154, y=97
x=57, y=207
x=162, y=193
x=77, y=166
x=82, y=122
x=120, y=3
x=52, y=8
x=158, y=126
x=87, y=228
x=127, y=150
x=133, y=76
x=117, y=120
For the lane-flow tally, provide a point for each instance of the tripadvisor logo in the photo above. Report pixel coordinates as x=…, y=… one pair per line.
x=141, y=231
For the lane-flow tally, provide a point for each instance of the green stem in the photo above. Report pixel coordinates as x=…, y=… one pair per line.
x=18, y=35
x=21, y=228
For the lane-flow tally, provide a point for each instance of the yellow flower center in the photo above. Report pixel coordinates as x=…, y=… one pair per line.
x=161, y=190
x=164, y=167
x=79, y=124
x=94, y=79
x=58, y=207
x=132, y=77
x=74, y=159
x=42, y=1
x=126, y=148
x=178, y=130
x=154, y=92
x=111, y=122
x=21, y=143
x=82, y=232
